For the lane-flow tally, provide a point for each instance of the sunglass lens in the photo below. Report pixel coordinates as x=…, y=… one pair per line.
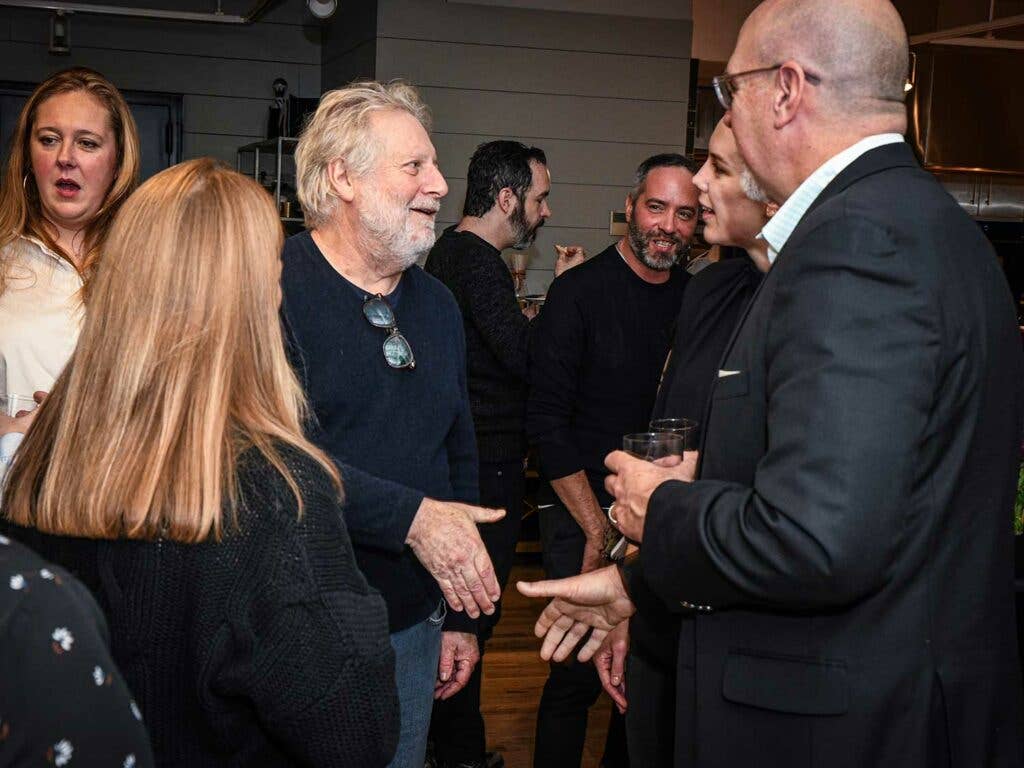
x=397, y=351
x=379, y=313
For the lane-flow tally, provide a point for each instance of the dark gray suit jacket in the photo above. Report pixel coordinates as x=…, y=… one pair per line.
x=851, y=524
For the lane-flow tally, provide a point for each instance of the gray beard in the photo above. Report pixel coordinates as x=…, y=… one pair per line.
x=387, y=240
x=639, y=245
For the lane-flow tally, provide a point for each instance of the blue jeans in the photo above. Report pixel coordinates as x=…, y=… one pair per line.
x=417, y=652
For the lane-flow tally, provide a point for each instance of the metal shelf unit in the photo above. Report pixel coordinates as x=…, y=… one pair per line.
x=277, y=149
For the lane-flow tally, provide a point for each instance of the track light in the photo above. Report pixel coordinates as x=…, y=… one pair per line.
x=60, y=33
x=322, y=9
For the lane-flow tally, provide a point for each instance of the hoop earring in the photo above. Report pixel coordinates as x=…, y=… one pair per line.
x=24, y=183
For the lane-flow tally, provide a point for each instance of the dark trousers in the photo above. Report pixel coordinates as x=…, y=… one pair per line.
x=457, y=727
x=571, y=688
x=651, y=668
x=651, y=714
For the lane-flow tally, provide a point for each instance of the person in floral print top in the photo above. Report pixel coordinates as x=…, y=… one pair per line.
x=62, y=700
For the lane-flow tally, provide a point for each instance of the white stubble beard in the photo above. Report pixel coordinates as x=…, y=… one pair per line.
x=386, y=235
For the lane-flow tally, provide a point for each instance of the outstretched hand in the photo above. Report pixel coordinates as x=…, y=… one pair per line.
x=594, y=602
x=444, y=538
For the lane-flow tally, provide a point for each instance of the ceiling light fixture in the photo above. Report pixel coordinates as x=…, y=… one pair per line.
x=322, y=9
x=60, y=33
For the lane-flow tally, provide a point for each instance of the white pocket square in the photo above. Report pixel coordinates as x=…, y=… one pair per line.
x=723, y=374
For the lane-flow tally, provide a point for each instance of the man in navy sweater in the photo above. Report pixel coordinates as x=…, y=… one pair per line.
x=380, y=349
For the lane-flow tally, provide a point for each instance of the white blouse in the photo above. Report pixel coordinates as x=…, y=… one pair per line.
x=41, y=315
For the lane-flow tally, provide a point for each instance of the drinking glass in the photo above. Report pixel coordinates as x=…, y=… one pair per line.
x=661, y=448
x=688, y=428
x=664, y=448
x=11, y=405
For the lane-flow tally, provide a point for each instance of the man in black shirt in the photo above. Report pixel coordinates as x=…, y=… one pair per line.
x=597, y=358
x=506, y=203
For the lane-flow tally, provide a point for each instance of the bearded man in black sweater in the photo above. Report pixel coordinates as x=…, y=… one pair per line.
x=597, y=358
x=506, y=203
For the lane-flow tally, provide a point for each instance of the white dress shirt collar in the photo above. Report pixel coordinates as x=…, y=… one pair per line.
x=777, y=231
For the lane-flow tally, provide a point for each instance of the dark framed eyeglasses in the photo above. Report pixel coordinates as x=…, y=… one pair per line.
x=725, y=88
x=397, y=352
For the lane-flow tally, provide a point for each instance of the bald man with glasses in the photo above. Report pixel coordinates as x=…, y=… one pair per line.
x=845, y=543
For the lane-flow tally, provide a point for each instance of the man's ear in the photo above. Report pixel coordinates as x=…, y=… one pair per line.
x=340, y=180
x=790, y=90
x=507, y=200
x=629, y=208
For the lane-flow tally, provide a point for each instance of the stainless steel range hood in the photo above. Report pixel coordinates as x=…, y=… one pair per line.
x=967, y=108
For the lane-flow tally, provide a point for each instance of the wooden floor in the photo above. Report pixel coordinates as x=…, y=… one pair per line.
x=514, y=677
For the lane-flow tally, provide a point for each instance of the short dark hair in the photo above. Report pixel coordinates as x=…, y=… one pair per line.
x=494, y=166
x=664, y=160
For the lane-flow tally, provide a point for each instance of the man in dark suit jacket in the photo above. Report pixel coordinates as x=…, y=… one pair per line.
x=846, y=546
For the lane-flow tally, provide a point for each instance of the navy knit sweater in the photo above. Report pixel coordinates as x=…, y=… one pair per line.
x=397, y=435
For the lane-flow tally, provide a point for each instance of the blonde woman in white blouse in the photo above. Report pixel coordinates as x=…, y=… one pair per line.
x=74, y=160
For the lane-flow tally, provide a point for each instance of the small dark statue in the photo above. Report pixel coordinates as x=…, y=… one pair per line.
x=277, y=120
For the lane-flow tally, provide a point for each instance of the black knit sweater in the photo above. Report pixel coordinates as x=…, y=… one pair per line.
x=265, y=649
x=599, y=351
x=497, y=335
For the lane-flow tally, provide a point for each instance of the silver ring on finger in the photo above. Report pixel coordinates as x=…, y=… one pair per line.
x=611, y=515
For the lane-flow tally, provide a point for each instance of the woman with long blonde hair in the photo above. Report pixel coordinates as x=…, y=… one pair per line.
x=74, y=160
x=168, y=470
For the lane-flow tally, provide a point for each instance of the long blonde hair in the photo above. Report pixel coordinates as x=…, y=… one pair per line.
x=20, y=212
x=180, y=367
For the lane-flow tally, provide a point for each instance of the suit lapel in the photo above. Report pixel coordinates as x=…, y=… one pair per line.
x=873, y=161
x=721, y=361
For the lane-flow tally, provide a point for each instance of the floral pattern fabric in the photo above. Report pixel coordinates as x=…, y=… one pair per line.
x=62, y=700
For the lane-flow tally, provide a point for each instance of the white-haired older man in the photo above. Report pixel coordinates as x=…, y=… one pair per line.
x=380, y=349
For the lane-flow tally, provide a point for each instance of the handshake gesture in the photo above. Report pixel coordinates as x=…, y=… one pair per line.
x=597, y=602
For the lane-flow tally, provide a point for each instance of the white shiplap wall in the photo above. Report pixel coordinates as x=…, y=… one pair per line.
x=598, y=93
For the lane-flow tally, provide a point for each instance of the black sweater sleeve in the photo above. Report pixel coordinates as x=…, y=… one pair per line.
x=489, y=303
x=559, y=349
